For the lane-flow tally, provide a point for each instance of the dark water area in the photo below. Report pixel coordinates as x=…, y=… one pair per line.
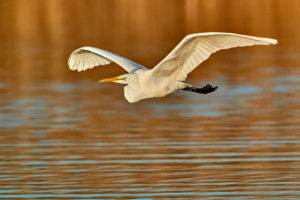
x=63, y=135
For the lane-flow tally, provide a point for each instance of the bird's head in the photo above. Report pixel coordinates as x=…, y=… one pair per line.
x=123, y=79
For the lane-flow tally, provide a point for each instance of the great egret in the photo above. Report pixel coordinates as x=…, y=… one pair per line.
x=167, y=76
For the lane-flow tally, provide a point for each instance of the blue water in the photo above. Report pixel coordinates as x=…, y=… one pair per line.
x=81, y=140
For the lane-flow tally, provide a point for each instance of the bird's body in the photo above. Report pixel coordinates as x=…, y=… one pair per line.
x=169, y=75
x=145, y=85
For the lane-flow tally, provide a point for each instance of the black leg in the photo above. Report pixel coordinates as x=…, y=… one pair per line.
x=204, y=90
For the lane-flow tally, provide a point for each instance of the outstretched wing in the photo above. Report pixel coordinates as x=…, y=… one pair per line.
x=88, y=57
x=196, y=48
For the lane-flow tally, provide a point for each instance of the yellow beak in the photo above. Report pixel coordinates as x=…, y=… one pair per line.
x=110, y=79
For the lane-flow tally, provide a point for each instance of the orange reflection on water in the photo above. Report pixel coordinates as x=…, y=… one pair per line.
x=63, y=135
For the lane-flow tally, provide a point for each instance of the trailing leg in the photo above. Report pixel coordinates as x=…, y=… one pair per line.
x=204, y=90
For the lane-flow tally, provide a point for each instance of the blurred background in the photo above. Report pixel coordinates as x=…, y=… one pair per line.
x=63, y=135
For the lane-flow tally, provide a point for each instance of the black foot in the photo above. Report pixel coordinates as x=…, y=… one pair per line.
x=207, y=89
x=204, y=90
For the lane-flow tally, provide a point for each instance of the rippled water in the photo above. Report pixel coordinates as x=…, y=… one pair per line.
x=82, y=140
x=65, y=136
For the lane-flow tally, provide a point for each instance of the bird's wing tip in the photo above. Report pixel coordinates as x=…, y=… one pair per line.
x=274, y=41
x=271, y=41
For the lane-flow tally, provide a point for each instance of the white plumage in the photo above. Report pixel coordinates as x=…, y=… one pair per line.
x=88, y=57
x=168, y=75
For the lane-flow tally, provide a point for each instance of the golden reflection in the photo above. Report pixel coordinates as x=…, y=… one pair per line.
x=59, y=136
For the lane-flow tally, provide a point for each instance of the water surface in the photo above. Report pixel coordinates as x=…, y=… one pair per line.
x=65, y=136
x=82, y=140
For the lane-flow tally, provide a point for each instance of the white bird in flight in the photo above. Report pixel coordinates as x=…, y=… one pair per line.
x=169, y=75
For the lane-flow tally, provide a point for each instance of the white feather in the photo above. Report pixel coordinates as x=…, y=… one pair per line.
x=196, y=48
x=88, y=57
x=168, y=75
